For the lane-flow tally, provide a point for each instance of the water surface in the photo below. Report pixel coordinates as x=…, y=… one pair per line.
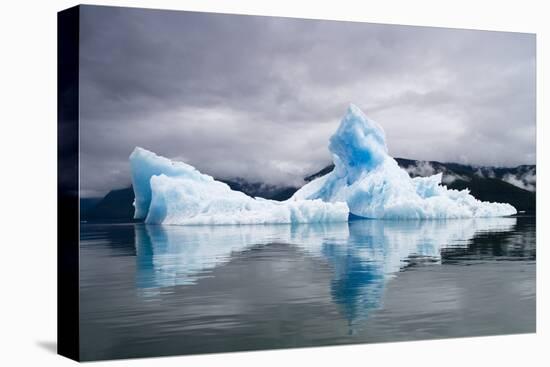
x=162, y=290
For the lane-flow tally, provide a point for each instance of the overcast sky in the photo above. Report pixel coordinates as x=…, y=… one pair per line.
x=258, y=97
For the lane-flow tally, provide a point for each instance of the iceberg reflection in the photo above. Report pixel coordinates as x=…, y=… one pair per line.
x=362, y=255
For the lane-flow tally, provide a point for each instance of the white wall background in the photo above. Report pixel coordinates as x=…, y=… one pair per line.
x=28, y=181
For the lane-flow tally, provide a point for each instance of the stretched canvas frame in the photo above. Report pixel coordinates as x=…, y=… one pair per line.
x=497, y=185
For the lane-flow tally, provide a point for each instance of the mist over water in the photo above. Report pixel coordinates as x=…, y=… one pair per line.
x=162, y=290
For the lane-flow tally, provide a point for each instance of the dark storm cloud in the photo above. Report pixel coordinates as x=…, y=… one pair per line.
x=258, y=97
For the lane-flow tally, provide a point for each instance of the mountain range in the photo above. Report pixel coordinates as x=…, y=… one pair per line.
x=513, y=185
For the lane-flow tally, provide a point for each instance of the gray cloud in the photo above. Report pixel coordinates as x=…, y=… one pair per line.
x=258, y=97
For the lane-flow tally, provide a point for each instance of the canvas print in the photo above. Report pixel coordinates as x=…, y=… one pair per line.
x=238, y=182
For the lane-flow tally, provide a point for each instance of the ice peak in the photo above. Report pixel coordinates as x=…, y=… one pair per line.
x=353, y=109
x=374, y=186
x=358, y=145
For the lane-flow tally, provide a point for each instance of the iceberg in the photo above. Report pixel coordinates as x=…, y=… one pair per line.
x=170, y=192
x=366, y=182
x=372, y=184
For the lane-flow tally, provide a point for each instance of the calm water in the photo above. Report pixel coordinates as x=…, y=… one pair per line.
x=164, y=290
